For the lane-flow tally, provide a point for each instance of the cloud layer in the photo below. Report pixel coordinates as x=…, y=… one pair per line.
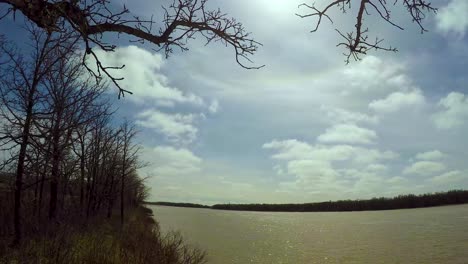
x=453, y=18
x=306, y=127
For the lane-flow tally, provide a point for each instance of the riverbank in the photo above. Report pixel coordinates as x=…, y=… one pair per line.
x=104, y=240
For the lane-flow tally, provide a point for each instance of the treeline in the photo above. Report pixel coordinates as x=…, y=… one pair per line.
x=190, y=205
x=398, y=202
x=63, y=157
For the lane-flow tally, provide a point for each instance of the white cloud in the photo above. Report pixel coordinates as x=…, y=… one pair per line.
x=397, y=180
x=367, y=156
x=424, y=168
x=397, y=101
x=142, y=76
x=430, y=155
x=373, y=73
x=166, y=161
x=348, y=133
x=453, y=18
x=339, y=115
x=312, y=173
x=293, y=149
x=377, y=167
x=289, y=149
x=339, y=169
x=454, y=113
x=449, y=177
x=278, y=169
x=177, y=128
x=214, y=107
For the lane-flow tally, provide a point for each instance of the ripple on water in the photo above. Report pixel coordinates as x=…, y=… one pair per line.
x=429, y=235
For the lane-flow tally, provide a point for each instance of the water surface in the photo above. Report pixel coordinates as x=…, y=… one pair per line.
x=426, y=235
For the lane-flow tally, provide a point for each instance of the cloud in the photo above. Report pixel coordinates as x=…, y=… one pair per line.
x=424, y=168
x=348, y=133
x=312, y=173
x=289, y=149
x=324, y=169
x=339, y=115
x=397, y=180
x=397, y=101
x=278, y=169
x=454, y=112
x=430, y=155
x=449, y=177
x=214, y=107
x=377, y=167
x=373, y=73
x=167, y=161
x=142, y=76
x=293, y=149
x=177, y=128
x=453, y=18
x=367, y=156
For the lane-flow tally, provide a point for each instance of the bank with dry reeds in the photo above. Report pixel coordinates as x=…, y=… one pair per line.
x=102, y=241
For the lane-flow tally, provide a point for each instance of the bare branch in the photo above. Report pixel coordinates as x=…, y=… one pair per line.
x=182, y=20
x=356, y=42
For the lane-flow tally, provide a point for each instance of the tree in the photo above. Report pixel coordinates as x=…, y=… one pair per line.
x=71, y=101
x=57, y=123
x=20, y=95
x=357, y=42
x=182, y=20
x=129, y=160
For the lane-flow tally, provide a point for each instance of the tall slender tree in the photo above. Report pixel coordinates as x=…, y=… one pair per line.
x=21, y=94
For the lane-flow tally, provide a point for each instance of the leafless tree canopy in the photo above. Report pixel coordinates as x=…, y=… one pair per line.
x=182, y=20
x=358, y=42
x=56, y=125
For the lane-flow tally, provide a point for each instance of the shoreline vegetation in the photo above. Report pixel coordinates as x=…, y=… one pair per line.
x=407, y=201
x=103, y=240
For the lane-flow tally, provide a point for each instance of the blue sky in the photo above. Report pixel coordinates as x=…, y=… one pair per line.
x=306, y=127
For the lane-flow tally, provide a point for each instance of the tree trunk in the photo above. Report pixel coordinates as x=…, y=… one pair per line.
x=43, y=176
x=20, y=168
x=111, y=194
x=55, y=168
x=82, y=173
x=122, y=187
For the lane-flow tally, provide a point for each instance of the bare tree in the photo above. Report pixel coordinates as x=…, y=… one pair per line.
x=358, y=42
x=20, y=94
x=129, y=160
x=182, y=20
x=57, y=123
x=72, y=102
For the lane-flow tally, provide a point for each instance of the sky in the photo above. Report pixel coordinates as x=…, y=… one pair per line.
x=307, y=127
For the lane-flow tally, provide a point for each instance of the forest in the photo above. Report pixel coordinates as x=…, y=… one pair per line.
x=69, y=187
x=382, y=203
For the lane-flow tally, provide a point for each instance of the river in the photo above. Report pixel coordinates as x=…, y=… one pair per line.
x=425, y=235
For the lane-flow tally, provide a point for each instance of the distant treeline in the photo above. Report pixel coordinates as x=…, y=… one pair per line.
x=398, y=202
x=382, y=203
x=191, y=205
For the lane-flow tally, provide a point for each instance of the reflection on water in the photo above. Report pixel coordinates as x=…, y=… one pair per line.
x=428, y=235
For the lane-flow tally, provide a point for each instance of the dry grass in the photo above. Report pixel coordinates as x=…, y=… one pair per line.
x=104, y=241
